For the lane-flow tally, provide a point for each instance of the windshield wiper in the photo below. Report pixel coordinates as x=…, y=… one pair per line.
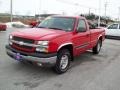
x=55, y=28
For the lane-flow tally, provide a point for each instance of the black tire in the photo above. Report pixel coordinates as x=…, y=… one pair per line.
x=97, y=48
x=58, y=68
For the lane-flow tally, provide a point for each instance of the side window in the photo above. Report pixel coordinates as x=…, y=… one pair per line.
x=91, y=26
x=114, y=26
x=81, y=26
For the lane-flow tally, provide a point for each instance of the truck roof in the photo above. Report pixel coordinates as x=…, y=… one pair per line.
x=68, y=16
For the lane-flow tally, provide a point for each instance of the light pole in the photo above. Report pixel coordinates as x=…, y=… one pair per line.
x=11, y=10
x=89, y=11
x=106, y=3
x=118, y=13
x=99, y=13
x=40, y=8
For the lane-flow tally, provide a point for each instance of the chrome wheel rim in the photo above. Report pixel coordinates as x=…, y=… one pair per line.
x=64, y=61
x=99, y=46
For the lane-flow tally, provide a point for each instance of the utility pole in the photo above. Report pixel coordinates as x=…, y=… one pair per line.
x=89, y=11
x=118, y=13
x=106, y=3
x=11, y=10
x=40, y=8
x=99, y=13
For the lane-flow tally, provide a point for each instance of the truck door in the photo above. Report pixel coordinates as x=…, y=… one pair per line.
x=113, y=30
x=82, y=37
x=117, y=31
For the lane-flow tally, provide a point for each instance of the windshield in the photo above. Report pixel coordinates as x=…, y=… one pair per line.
x=59, y=23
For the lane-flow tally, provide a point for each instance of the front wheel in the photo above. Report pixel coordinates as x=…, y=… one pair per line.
x=97, y=48
x=63, y=61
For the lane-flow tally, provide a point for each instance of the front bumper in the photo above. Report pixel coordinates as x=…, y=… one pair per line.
x=40, y=59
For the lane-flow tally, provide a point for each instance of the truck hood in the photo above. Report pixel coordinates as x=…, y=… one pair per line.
x=38, y=33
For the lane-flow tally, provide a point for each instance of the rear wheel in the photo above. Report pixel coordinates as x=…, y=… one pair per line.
x=63, y=61
x=97, y=48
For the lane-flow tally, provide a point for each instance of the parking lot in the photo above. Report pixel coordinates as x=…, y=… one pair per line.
x=87, y=72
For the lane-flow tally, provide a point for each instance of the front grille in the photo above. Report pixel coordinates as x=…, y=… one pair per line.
x=23, y=47
x=29, y=41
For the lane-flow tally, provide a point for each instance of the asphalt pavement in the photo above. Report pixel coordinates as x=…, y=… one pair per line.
x=87, y=72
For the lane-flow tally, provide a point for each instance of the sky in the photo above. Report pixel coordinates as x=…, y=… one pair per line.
x=69, y=7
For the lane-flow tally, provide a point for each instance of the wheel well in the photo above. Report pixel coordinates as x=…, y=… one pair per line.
x=70, y=48
x=100, y=38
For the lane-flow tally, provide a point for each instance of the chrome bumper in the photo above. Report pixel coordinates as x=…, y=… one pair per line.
x=40, y=61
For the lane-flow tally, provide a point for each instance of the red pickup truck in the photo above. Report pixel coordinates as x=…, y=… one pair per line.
x=55, y=42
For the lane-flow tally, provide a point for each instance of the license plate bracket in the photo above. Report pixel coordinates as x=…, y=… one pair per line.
x=18, y=57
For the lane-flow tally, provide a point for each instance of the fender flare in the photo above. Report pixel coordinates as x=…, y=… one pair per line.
x=62, y=45
x=100, y=36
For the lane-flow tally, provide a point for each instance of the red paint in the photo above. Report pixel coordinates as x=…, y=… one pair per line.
x=57, y=38
x=2, y=27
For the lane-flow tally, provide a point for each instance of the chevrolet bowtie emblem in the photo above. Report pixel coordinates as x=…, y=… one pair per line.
x=21, y=43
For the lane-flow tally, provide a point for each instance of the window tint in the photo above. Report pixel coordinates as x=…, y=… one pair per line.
x=91, y=25
x=81, y=26
x=114, y=26
x=61, y=23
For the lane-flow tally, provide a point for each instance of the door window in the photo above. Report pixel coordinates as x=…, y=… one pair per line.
x=81, y=26
x=114, y=26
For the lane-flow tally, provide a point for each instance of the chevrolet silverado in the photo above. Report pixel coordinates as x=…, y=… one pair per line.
x=55, y=42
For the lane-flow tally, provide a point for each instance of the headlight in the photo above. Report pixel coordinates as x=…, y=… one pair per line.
x=10, y=37
x=42, y=46
x=43, y=43
x=10, y=43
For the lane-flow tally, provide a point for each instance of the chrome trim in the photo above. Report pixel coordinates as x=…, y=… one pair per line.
x=85, y=44
x=64, y=45
x=99, y=36
x=50, y=60
x=93, y=41
x=82, y=46
x=26, y=44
